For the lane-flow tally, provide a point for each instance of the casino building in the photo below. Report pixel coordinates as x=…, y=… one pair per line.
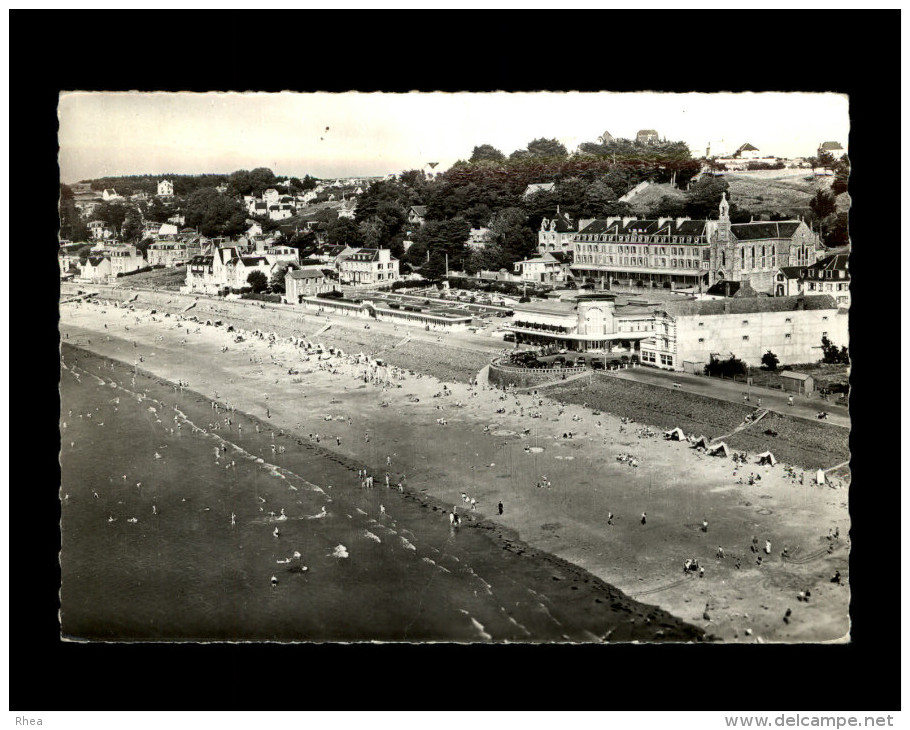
x=594, y=325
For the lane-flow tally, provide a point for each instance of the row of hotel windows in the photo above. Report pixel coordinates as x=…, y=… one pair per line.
x=638, y=250
x=638, y=261
x=642, y=238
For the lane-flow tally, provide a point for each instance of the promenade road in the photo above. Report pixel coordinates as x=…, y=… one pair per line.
x=728, y=390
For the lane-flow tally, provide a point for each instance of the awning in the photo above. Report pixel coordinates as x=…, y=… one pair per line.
x=633, y=270
x=582, y=338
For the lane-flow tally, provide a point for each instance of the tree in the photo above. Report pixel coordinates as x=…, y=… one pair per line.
x=770, y=361
x=446, y=237
x=841, y=176
x=823, y=205
x=277, y=280
x=597, y=198
x=547, y=148
x=511, y=239
x=832, y=355
x=343, y=232
x=258, y=281
x=113, y=214
x=132, y=227
x=487, y=153
x=214, y=214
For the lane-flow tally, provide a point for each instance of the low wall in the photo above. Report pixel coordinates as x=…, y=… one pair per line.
x=503, y=376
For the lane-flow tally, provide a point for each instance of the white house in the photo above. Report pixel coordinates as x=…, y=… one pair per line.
x=832, y=148
x=97, y=269
x=417, y=215
x=99, y=230
x=165, y=189
x=282, y=254
x=538, y=188
x=543, y=269
x=748, y=152
x=166, y=253
x=271, y=196
x=168, y=229
x=368, y=266
x=125, y=259
x=477, y=238
x=280, y=212
x=347, y=209
x=109, y=195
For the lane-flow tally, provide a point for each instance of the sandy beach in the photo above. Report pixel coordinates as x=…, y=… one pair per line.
x=557, y=492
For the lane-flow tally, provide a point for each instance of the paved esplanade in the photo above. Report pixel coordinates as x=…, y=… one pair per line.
x=728, y=390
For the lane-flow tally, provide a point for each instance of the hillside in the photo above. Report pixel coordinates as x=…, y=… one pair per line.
x=760, y=192
x=651, y=196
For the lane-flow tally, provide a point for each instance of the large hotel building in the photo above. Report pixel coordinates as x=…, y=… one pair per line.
x=679, y=253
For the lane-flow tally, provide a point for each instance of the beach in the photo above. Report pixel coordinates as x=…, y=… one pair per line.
x=557, y=492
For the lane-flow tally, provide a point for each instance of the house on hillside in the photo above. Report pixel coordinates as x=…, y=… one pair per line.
x=271, y=196
x=832, y=148
x=538, y=188
x=110, y=195
x=747, y=152
x=605, y=138
x=281, y=255
x=417, y=215
x=477, y=238
x=348, y=209
x=99, y=230
x=647, y=136
x=258, y=208
x=168, y=231
x=280, y=212
x=165, y=189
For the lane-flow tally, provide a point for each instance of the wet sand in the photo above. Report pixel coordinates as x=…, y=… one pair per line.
x=676, y=486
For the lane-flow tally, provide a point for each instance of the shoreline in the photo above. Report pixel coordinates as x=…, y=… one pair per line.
x=569, y=521
x=647, y=623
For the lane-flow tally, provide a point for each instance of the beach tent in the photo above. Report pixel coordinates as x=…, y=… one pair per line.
x=767, y=458
x=720, y=449
x=820, y=477
x=701, y=442
x=675, y=434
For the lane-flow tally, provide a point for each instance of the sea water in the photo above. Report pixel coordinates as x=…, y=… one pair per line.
x=169, y=512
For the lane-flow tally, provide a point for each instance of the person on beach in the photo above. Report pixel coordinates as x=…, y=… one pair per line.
x=704, y=526
x=500, y=507
x=644, y=517
x=790, y=400
x=720, y=552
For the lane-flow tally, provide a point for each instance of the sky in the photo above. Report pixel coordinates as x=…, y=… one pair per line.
x=337, y=135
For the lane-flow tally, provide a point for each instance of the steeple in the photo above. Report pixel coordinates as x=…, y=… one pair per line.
x=724, y=207
x=723, y=223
